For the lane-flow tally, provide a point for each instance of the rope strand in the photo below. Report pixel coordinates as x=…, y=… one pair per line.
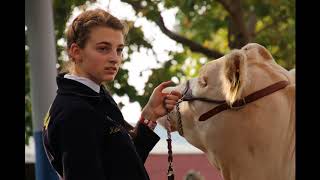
x=170, y=172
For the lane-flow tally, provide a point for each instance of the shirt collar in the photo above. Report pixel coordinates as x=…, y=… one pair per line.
x=86, y=81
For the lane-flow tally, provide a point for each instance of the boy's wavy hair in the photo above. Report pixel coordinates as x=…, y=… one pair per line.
x=79, y=30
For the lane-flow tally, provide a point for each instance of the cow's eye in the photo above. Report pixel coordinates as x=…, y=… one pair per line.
x=202, y=81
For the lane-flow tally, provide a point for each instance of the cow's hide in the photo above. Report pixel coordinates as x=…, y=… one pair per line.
x=256, y=142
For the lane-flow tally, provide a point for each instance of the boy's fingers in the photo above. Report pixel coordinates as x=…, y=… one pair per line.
x=169, y=107
x=164, y=85
x=172, y=102
x=175, y=94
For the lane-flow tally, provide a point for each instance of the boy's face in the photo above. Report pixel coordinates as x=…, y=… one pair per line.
x=101, y=56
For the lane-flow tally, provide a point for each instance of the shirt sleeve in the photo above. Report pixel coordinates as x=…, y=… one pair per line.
x=81, y=146
x=144, y=140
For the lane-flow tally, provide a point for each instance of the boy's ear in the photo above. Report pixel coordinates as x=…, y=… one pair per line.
x=74, y=52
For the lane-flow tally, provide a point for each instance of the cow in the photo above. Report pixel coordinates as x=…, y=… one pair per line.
x=240, y=111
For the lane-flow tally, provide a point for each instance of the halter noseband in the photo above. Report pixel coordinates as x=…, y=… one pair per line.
x=223, y=105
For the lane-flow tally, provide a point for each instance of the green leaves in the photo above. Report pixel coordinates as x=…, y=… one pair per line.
x=136, y=37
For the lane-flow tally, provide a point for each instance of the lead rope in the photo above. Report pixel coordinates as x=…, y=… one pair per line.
x=170, y=172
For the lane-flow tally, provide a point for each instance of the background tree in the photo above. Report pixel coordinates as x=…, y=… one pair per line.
x=206, y=29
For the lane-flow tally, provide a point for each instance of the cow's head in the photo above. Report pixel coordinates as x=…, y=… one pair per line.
x=229, y=78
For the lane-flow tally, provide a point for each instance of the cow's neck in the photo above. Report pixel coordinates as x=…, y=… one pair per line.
x=239, y=157
x=192, y=133
x=242, y=167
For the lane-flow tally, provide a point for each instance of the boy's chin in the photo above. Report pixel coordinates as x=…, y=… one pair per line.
x=108, y=78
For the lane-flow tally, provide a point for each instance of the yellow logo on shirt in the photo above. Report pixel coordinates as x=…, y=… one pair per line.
x=114, y=130
x=47, y=119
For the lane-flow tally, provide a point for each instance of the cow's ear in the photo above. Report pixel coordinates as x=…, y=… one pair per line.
x=253, y=50
x=234, y=75
x=264, y=53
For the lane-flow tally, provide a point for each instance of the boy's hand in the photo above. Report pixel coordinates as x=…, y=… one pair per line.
x=159, y=103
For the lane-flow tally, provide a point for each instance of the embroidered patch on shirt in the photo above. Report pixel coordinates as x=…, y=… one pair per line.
x=114, y=130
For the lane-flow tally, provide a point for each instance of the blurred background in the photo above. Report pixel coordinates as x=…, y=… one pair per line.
x=168, y=40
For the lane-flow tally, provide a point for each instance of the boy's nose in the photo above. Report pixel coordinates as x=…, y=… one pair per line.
x=114, y=61
x=114, y=58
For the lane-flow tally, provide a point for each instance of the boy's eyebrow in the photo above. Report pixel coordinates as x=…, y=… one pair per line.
x=109, y=44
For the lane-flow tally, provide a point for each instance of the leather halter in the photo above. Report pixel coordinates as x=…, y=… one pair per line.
x=223, y=105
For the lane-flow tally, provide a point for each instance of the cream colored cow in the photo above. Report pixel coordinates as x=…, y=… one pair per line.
x=255, y=142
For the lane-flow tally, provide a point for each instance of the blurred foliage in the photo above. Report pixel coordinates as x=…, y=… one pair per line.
x=219, y=26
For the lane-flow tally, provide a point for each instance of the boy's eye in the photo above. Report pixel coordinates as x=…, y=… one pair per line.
x=103, y=48
x=120, y=49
